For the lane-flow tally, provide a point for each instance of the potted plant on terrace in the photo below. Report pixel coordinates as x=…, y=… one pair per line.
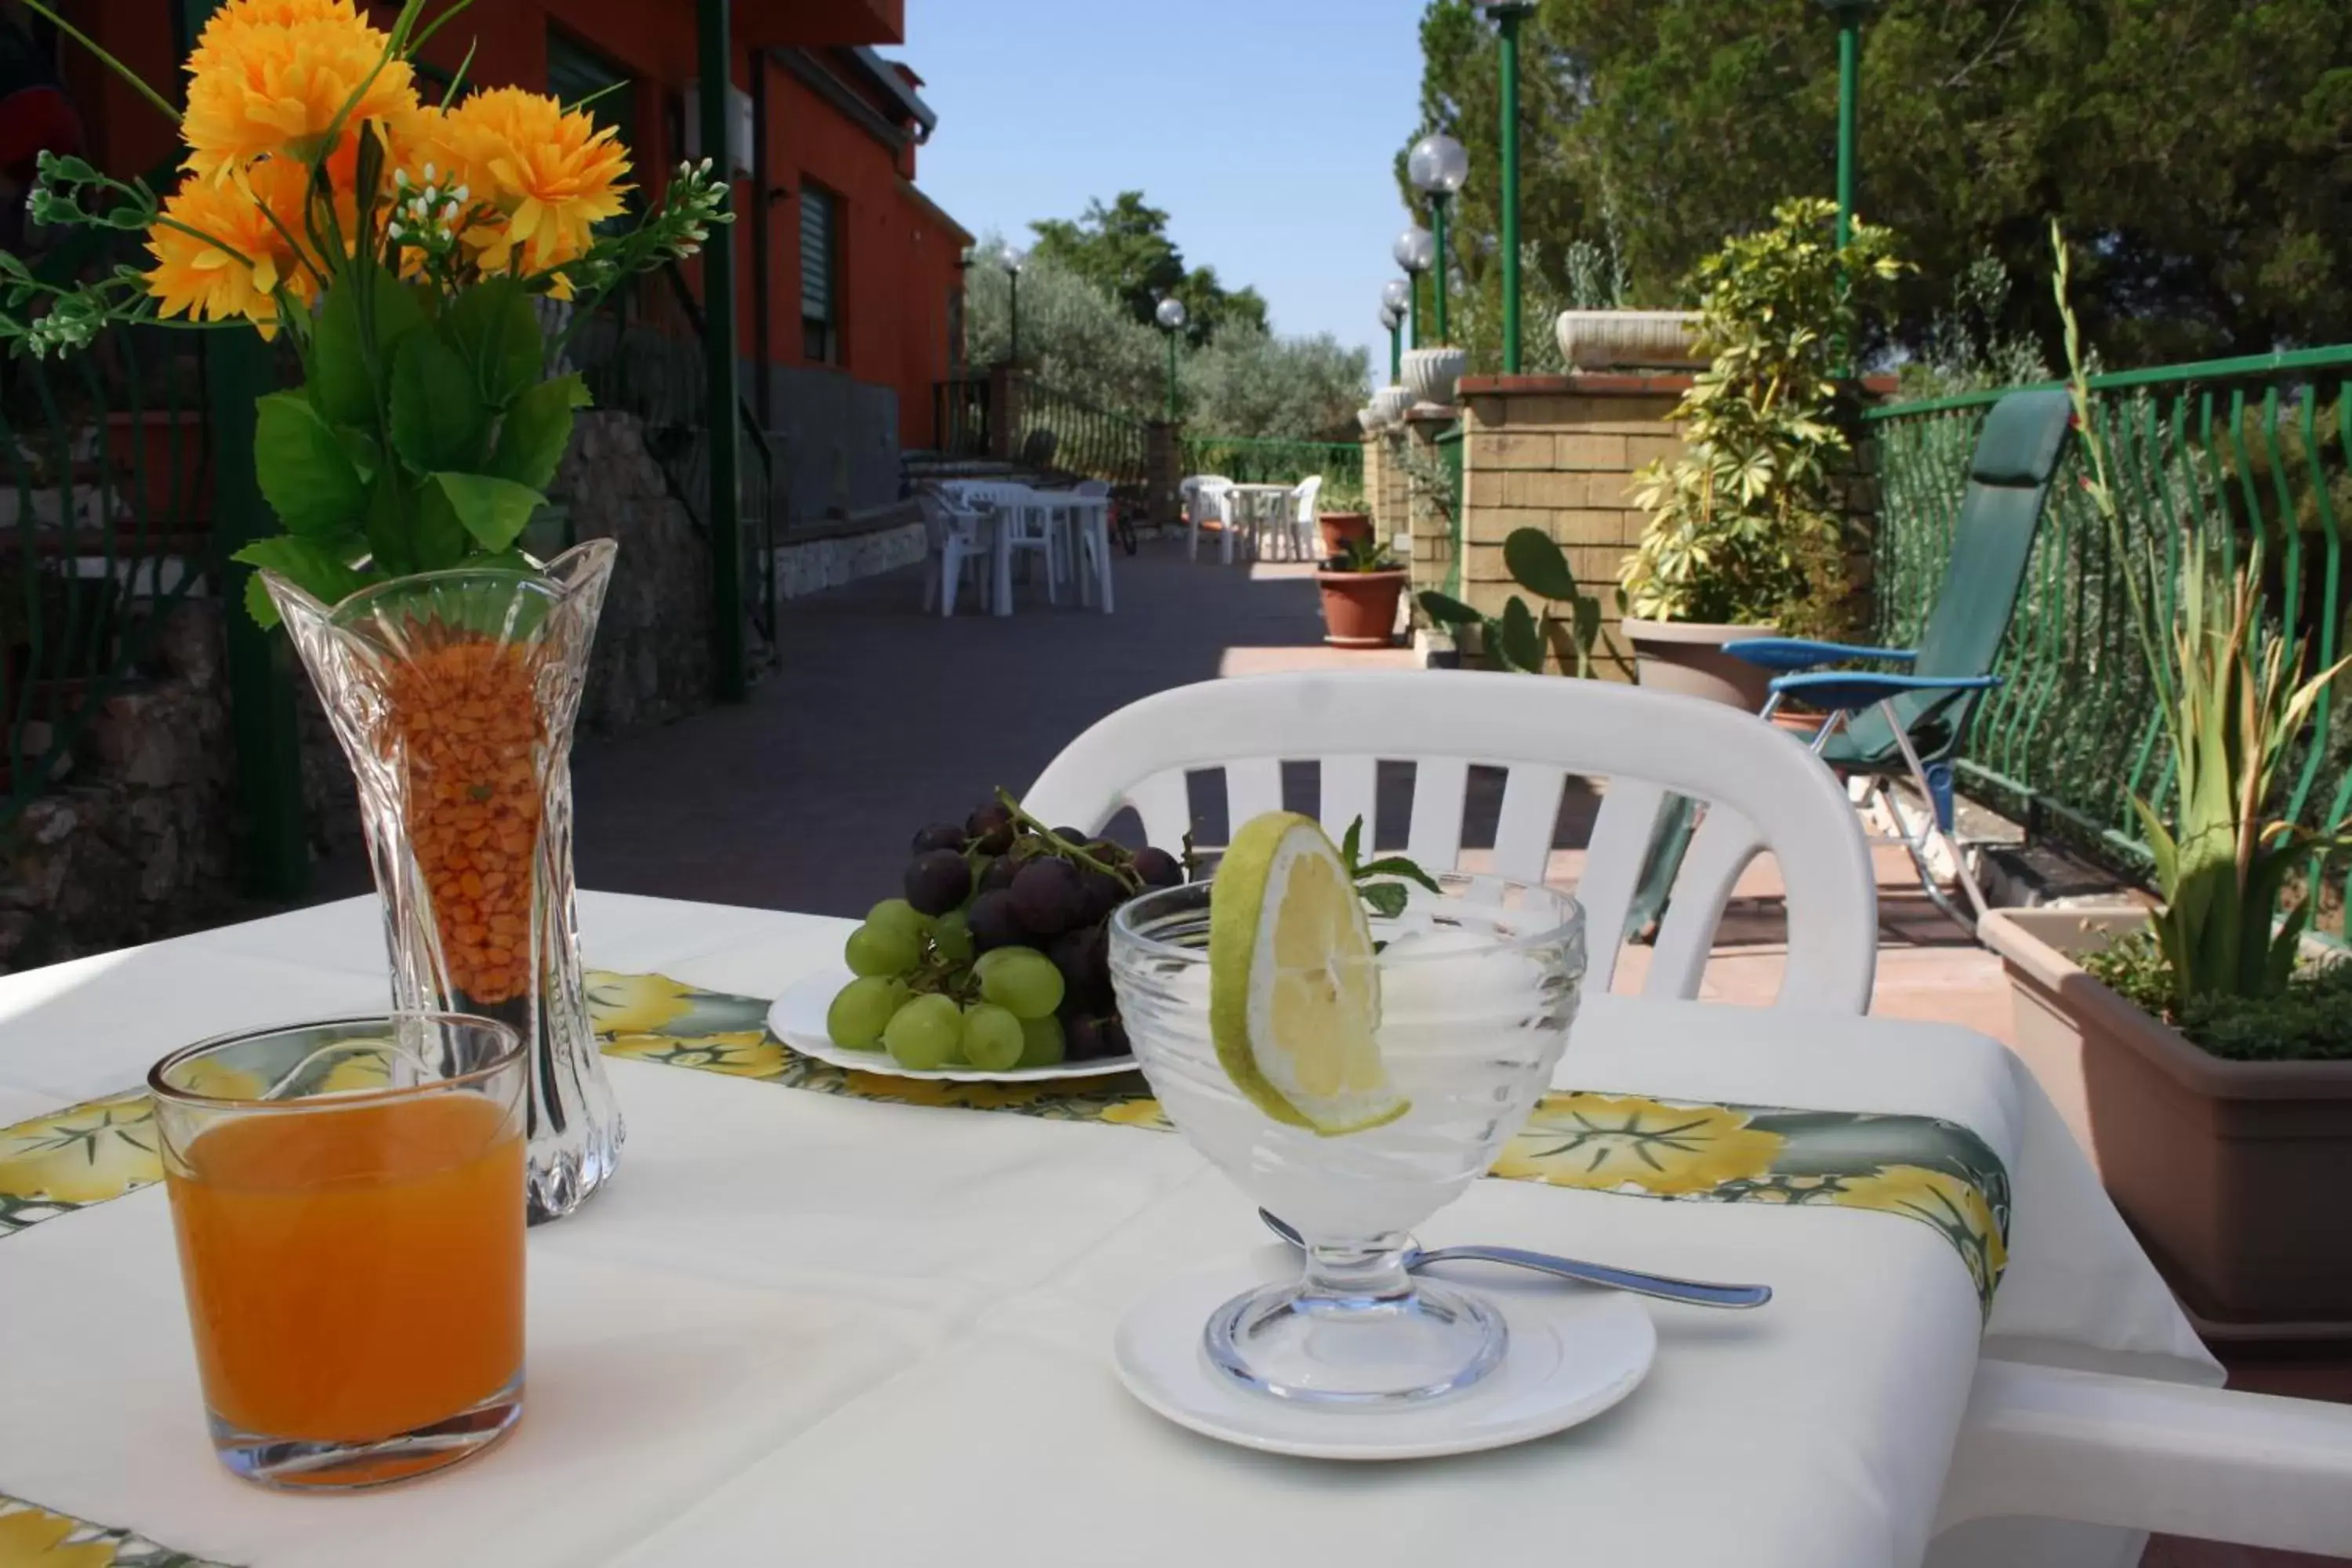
x=1747, y=534
x=2203, y=1053
x=401, y=246
x=1359, y=590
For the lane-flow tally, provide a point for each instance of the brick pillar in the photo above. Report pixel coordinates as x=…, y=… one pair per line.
x=1005, y=402
x=1559, y=453
x=1383, y=529
x=1163, y=463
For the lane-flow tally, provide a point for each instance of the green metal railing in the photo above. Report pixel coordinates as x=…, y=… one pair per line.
x=1257, y=461
x=2211, y=457
x=960, y=413
x=1071, y=435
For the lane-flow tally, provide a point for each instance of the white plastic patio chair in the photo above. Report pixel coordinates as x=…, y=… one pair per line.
x=1299, y=518
x=1765, y=794
x=2038, y=1443
x=957, y=536
x=1029, y=525
x=1208, y=496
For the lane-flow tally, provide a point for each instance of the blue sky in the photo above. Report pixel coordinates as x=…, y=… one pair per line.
x=1264, y=128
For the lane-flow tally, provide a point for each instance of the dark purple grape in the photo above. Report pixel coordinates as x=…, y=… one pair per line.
x=991, y=922
x=1071, y=835
x=938, y=836
x=1158, y=868
x=1000, y=874
x=1082, y=1037
x=1048, y=897
x=1084, y=958
x=1114, y=1038
x=1102, y=894
x=992, y=824
x=937, y=882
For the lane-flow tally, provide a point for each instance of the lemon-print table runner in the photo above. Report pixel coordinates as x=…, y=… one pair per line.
x=1936, y=1173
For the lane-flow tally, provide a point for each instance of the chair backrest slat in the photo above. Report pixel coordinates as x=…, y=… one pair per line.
x=1758, y=792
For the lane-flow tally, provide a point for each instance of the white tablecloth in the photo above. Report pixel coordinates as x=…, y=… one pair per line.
x=810, y=1329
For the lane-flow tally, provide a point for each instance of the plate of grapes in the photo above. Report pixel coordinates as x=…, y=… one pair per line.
x=992, y=964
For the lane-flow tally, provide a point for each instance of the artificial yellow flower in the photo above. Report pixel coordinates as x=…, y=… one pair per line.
x=750, y=1053
x=269, y=77
x=243, y=257
x=84, y=1154
x=550, y=176
x=32, y=1536
x=1605, y=1142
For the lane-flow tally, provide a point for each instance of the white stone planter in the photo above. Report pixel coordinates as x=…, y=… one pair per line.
x=1598, y=340
x=1370, y=421
x=1432, y=374
x=1391, y=403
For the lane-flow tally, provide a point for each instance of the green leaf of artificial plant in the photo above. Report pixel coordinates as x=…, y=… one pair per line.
x=340, y=384
x=536, y=430
x=497, y=334
x=320, y=567
x=494, y=511
x=305, y=471
x=439, y=422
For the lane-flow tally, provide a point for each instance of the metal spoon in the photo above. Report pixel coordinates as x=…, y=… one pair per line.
x=1694, y=1292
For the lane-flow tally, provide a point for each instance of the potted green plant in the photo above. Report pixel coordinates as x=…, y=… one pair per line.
x=1359, y=590
x=1747, y=525
x=1563, y=633
x=1341, y=529
x=2203, y=1052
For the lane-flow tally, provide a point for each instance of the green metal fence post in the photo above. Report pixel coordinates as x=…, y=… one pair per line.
x=730, y=674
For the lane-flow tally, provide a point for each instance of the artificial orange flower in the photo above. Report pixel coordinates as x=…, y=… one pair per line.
x=268, y=78
x=551, y=176
x=253, y=259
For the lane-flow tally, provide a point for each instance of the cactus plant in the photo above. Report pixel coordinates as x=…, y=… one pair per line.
x=1566, y=628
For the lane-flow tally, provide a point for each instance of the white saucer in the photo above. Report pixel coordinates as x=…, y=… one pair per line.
x=798, y=1019
x=1573, y=1353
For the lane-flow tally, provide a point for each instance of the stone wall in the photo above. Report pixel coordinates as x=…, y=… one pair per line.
x=1559, y=453
x=1424, y=498
x=132, y=842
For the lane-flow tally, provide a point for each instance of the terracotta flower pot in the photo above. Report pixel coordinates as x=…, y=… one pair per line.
x=1339, y=527
x=1359, y=608
x=2229, y=1172
x=1687, y=657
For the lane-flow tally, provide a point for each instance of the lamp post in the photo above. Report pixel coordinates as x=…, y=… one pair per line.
x=1013, y=261
x=1171, y=317
x=1396, y=299
x=1508, y=15
x=1849, y=15
x=1438, y=167
x=1416, y=250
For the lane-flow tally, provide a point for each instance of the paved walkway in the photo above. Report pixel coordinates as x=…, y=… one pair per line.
x=884, y=719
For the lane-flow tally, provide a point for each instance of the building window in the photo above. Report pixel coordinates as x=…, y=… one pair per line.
x=820, y=273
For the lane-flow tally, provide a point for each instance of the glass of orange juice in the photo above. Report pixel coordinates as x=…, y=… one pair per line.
x=349, y=1198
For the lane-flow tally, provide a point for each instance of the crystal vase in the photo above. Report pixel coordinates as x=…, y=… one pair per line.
x=454, y=694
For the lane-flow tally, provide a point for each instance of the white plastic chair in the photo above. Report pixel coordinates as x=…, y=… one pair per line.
x=1208, y=496
x=1762, y=794
x=1028, y=526
x=957, y=534
x=1300, y=517
x=2038, y=1442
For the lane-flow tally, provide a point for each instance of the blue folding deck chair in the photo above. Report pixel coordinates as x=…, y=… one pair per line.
x=1880, y=726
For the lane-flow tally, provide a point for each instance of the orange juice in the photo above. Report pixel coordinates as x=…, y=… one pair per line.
x=354, y=1272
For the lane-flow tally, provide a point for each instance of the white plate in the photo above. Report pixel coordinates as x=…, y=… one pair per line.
x=1573, y=1353
x=798, y=1020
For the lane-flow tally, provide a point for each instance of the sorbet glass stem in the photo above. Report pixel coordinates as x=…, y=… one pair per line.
x=1357, y=1273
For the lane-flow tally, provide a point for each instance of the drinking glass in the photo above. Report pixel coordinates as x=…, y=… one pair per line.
x=1477, y=989
x=349, y=1198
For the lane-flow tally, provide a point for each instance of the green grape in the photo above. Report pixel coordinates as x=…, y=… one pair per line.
x=882, y=950
x=1022, y=981
x=993, y=1037
x=924, y=1034
x=952, y=937
x=900, y=915
x=1042, y=1045
x=858, y=1016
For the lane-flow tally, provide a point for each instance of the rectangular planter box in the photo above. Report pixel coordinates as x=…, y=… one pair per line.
x=2232, y=1174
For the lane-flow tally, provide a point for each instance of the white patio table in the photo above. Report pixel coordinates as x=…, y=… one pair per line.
x=1255, y=505
x=800, y=1327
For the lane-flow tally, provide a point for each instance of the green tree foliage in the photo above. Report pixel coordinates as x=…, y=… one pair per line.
x=1078, y=338
x=2201, y=148
x=1124, y=250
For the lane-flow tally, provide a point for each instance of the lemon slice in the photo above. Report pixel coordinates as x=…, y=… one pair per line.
x=1293, y=988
